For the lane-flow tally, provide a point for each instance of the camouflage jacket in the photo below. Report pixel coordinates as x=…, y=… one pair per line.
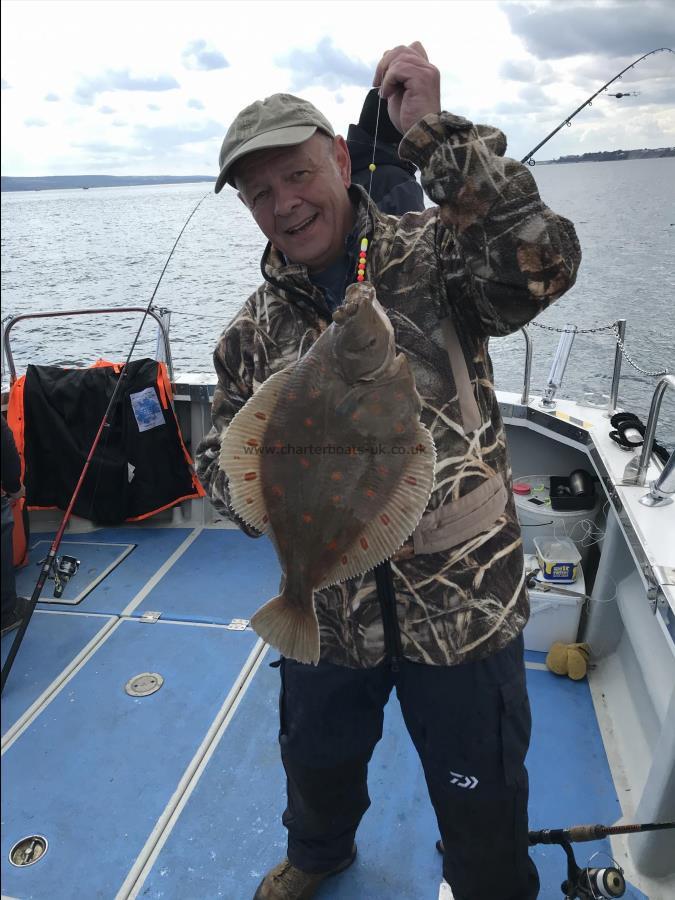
x=482, y=263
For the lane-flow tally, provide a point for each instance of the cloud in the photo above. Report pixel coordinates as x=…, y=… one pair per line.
x=326, y=66
x=203, y=57
x=159, y=138
x=153, y=107
x=34, y=123
x=619, y=28
x=52, y=98
x=106, y=110
x=120, y=80
x=527, y=70
x=193, y=103
x=5, y=85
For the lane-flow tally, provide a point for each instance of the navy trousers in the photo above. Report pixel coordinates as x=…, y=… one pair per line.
x=470, y=724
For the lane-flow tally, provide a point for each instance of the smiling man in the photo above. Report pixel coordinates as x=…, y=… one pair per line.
x=442, y=622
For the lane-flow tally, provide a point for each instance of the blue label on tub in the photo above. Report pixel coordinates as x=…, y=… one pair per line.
x=560, y=571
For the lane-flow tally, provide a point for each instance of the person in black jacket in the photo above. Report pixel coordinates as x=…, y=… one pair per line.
x=12, y=490
x=395, y=189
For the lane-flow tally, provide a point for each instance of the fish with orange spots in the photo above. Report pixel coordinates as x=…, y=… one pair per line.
x=330, y=459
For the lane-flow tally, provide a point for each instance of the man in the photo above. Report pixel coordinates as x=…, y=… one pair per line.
x=442, y=622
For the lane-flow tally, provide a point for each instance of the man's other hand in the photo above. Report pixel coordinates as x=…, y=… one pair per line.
x=410, y=84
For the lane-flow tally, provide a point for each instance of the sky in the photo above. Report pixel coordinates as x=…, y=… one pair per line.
x=149, y=87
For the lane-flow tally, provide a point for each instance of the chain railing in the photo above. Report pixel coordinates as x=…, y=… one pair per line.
x=619, y=330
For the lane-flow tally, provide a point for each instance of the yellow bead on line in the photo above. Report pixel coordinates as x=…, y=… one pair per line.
x=372, y=167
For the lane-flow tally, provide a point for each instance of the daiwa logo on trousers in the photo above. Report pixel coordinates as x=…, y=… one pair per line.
x=463, y=781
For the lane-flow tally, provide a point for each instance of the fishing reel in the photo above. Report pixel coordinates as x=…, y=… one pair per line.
x=62, y=570
x=591, y=883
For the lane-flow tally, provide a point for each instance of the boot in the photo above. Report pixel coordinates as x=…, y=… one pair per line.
x=285, y=882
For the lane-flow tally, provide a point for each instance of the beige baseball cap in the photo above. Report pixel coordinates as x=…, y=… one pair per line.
x=281, y=120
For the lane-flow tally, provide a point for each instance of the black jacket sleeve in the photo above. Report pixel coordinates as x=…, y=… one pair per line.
x=11, y=463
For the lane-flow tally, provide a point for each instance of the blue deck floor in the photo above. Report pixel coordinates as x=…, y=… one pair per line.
x=95, y=770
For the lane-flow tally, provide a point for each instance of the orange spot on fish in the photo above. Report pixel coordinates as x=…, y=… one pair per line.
x=369, y=492
x=251, y=442
x=309, y=422
x=399, y=427
x=260, y=415
x=314, y=393
x=344, y=560
x=364, y=543
x=332, y=545
x=306, y=518
x=250, y=476
x=278, y=445
x=304, y=462
x=336, y=476
x=249, y=499
x=291, y=395
x=399, y=395
x=277, y=490
x=382, y=470
x=356, y=416
x=336, y=498
x=410, y=479
x=384, y=518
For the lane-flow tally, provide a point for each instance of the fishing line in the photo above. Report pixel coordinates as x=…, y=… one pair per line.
x=48, y=562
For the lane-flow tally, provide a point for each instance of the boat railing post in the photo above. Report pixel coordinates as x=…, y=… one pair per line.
x=525, y=397
x=163, y=347
x=2, y=352
x=650, y=430
x=616, y=375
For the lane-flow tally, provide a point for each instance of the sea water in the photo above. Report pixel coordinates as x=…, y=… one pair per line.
x=106, y=247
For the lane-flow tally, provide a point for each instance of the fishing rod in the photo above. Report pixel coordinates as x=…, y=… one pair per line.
x=591, y=883
x=48, y=562
x=528, y=158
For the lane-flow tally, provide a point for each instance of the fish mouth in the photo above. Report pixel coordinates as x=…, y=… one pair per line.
x=302, y=226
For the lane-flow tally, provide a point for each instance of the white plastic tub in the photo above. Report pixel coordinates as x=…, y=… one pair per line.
x=553, y=616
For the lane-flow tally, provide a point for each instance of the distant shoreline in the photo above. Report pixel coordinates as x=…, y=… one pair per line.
x=611, y=156
x=85, y=182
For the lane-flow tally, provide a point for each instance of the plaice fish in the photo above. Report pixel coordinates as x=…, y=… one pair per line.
x=330, y=459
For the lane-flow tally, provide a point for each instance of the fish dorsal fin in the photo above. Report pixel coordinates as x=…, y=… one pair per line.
x=391, y=527
x=240, y=455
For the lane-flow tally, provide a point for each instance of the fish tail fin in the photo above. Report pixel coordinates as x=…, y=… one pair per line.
x=290, y=627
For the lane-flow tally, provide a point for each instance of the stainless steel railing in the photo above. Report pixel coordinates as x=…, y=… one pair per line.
x=159, y=317
x=650, y=430
x=525, y=396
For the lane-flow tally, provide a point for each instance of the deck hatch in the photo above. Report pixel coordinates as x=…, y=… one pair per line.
x=144, y=684
x=28, y=850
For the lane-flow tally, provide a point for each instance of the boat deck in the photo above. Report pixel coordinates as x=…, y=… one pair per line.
x=178, y=795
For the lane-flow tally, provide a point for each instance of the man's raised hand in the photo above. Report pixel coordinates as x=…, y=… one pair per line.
x=410, y=84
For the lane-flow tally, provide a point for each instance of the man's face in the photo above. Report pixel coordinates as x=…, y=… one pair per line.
x=298, y=197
